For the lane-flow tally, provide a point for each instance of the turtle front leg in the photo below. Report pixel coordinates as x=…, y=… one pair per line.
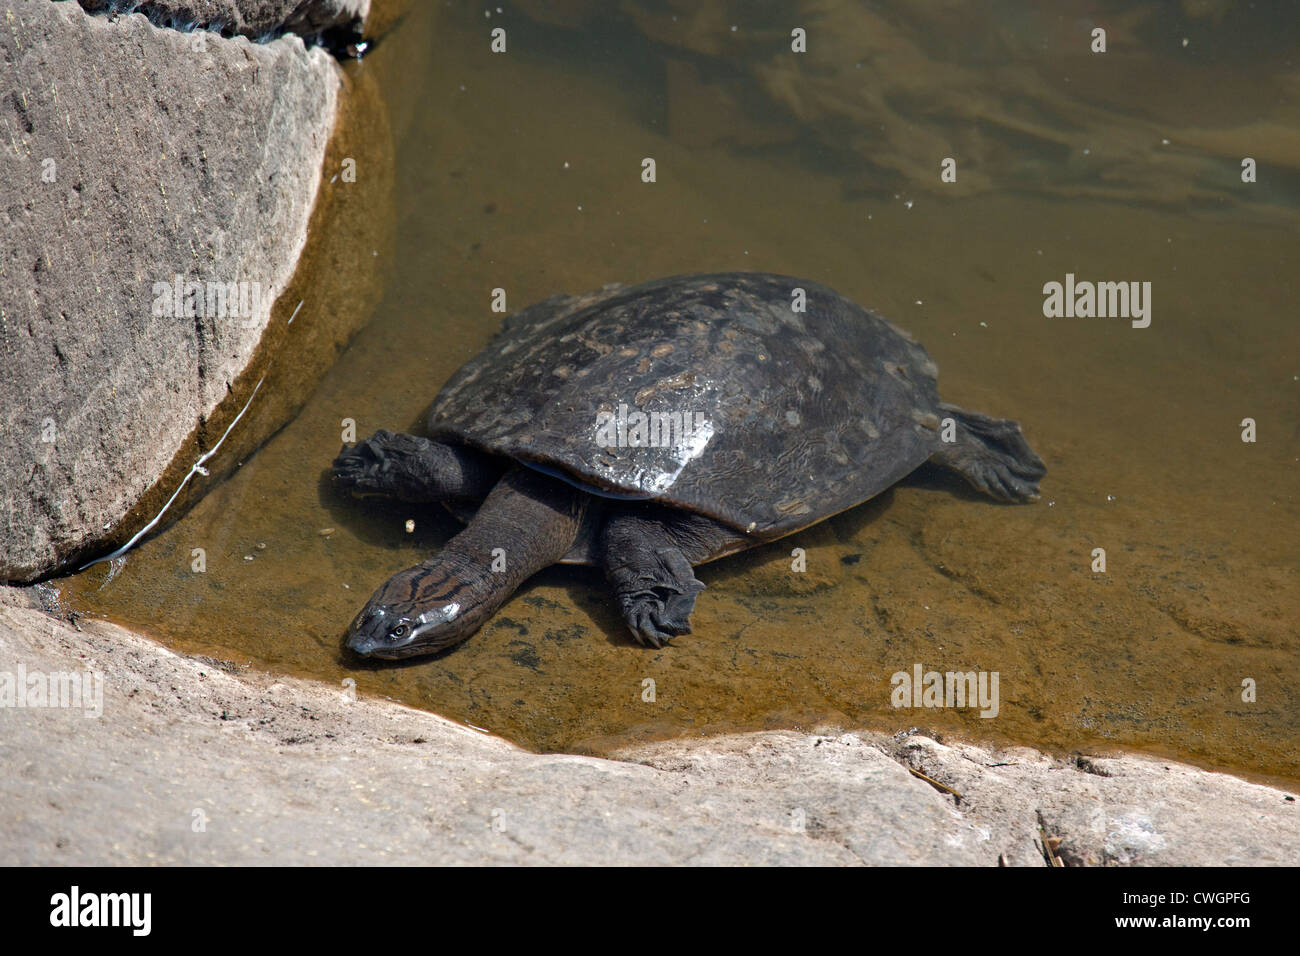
x=413, y=468
x=648, y=559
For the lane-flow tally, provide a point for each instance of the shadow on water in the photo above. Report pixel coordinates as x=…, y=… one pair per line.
x=523, y=172
x=936, y=479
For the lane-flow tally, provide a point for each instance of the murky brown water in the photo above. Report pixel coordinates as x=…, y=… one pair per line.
x=522, y=171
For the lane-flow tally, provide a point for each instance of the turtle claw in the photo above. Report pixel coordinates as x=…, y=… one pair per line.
x=1006, y=484
x=993, y=455
x=657, y=617
x=642, y=622
x=660, y=609
x=362, y=467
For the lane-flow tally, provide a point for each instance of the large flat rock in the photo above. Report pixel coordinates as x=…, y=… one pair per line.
x=197, y=761
x=129, y=156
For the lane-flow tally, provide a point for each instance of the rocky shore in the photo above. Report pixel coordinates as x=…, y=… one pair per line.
x=200, y=761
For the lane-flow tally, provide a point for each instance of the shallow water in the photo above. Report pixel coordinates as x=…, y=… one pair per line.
x=523, y=171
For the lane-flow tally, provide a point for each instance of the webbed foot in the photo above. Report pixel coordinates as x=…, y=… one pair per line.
x=372, y=466
x=993, y=455
x=657, y=599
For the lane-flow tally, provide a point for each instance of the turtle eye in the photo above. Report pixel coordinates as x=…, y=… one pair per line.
x=399, y=631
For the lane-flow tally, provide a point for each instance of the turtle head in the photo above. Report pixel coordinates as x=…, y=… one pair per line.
x=421, y=610
x=437, y=604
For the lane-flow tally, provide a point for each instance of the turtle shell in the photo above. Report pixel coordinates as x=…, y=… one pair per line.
x=710, y=393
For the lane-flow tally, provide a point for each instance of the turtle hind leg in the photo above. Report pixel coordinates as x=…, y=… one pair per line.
x=413, y=468
x=991, y=454
x=648, y=554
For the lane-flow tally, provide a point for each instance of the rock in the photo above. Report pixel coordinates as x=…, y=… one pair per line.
x=1120, y=810
x=276, y=769
x=199, y=761
x=133, y=156
x=254, y=19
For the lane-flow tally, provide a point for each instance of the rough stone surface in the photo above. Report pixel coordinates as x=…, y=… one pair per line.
x=198, y=761
x=129, y=155
x=1114, y=810
x=248, y=18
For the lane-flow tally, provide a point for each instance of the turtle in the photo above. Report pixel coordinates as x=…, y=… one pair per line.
x=649, y=429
